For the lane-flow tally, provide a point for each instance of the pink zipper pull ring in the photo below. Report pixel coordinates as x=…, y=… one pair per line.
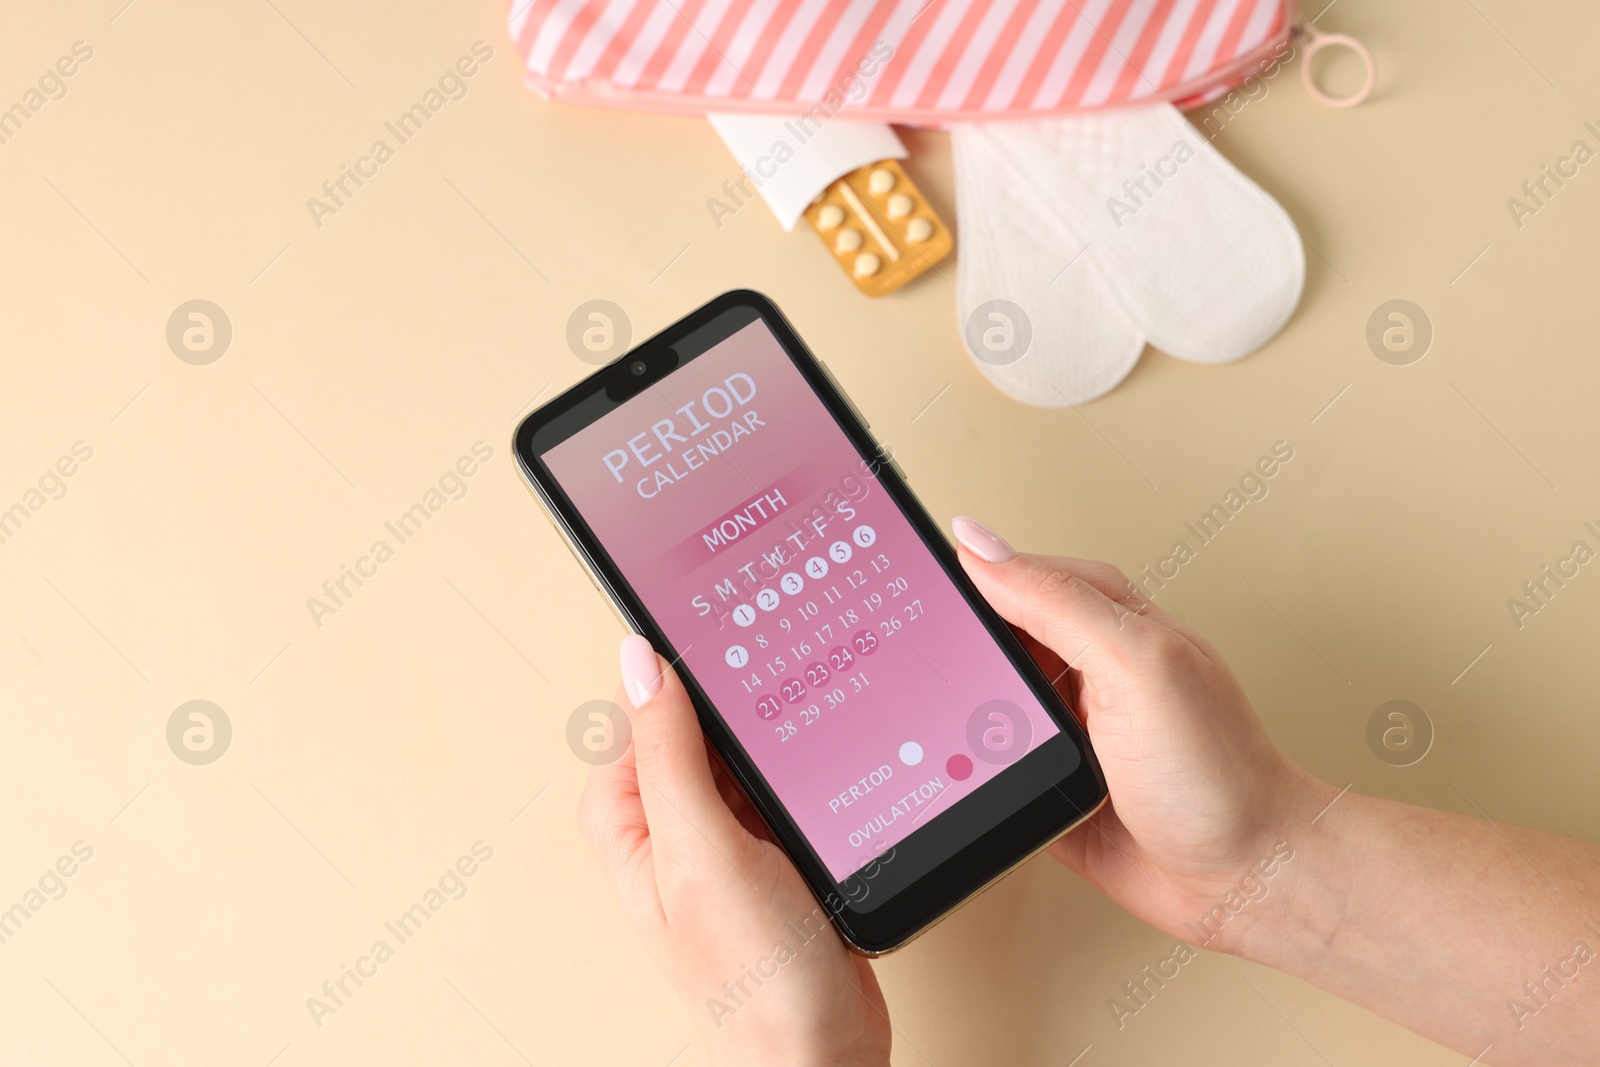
x=1315, y=41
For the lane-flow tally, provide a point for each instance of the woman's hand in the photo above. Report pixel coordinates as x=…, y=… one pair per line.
x=1200, y=796
x=1448, y=924
x=720, y=907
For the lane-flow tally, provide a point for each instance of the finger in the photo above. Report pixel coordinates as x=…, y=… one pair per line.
x=1066, y=681
x=733, y=795
x=1107, y=579
x=1054, y=667
x=610, y=813
x=1119, y=588
x=1066, y=612
x=690, y=824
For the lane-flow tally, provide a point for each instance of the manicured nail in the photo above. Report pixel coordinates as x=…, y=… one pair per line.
x=641, y=670
x=982, y=541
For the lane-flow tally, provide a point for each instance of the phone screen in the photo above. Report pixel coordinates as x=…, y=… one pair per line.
x=852, y=670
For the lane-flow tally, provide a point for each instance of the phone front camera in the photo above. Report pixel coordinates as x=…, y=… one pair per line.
x=637, y=366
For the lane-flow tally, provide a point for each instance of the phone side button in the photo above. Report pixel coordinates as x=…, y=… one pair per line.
x=588, y=572
x=610, y=603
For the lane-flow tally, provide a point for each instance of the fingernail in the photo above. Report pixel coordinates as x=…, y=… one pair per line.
x=982, y=541
x=641, y=670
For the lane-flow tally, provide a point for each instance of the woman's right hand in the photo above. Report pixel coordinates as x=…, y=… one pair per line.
x=1200, y=796
x=1429, y=918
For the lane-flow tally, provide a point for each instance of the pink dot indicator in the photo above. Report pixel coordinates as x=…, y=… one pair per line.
x=959, y=767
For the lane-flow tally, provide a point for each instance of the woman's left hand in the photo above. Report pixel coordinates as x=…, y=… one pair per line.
x=720, y=907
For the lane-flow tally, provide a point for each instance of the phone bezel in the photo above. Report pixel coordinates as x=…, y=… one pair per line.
x=1028, y=828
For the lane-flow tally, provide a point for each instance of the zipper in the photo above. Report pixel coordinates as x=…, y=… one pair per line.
x=1294, y=29
x=1315, y=41
x=1236, y=71
x=1302, y=33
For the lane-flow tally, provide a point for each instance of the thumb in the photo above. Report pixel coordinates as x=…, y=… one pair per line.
x=683, y=808
x=1058, y=601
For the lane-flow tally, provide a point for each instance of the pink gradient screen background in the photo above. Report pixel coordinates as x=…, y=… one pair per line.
x=931, y=663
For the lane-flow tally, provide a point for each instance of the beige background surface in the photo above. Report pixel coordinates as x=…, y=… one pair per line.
x=428, y=713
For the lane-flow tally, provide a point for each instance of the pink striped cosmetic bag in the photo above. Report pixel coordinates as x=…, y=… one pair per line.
x=913, y=62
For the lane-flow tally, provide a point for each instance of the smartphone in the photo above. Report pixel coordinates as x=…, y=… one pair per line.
x=732, y=504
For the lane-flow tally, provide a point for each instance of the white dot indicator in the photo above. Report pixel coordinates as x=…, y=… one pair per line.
x=737, y=656
x=767, y=599
x=744, y=614
x=865, y=536
x=840, y=551
x=911, y=753
x=791, y=583
x=817, y=567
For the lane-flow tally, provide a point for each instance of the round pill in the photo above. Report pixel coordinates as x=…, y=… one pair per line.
x=911, y=753
x=830, y=216
x=881, y=181
x=919, y=230
x=847, y=241
x=899, y=206
x=867, y=264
